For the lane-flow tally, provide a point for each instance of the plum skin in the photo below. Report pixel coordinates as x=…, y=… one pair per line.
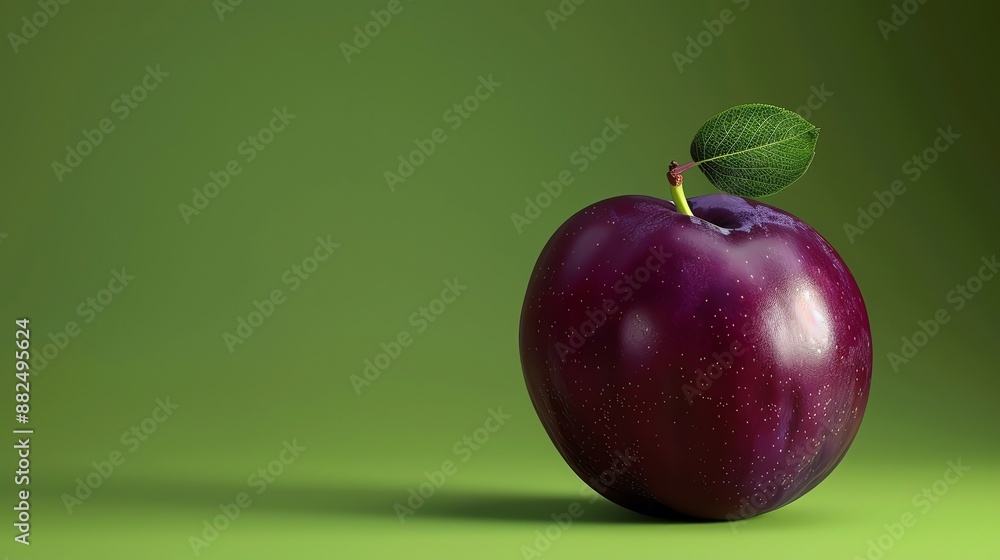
x=732, y=374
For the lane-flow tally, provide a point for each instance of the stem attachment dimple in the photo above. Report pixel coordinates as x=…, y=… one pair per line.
x=677, y=187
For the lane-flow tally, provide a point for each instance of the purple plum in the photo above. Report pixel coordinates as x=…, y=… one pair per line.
x=714, y=366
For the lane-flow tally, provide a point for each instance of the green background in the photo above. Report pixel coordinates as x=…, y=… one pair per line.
x=323, y=175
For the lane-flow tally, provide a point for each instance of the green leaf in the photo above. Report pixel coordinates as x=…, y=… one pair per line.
x=754, y=150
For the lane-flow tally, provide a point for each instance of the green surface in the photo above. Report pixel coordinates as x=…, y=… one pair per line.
x=323, y=176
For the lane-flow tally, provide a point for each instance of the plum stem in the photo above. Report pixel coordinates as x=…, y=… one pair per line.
x=685, y=167
x=677, y=187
